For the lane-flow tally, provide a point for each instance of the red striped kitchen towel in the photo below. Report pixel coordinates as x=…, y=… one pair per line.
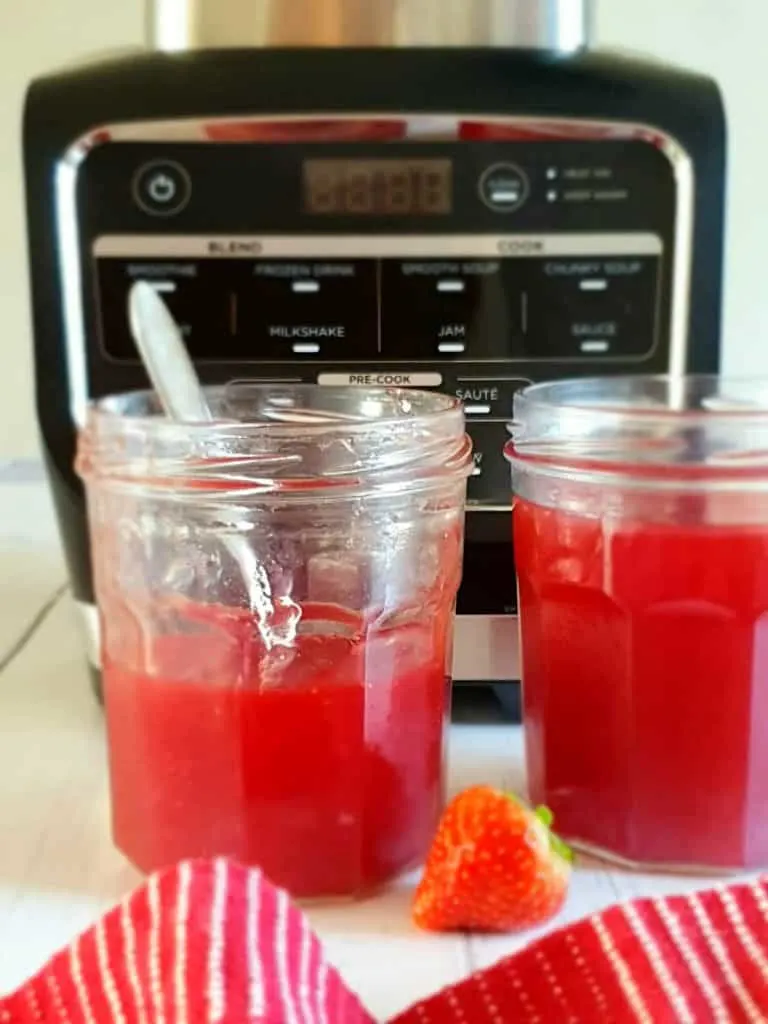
x=215, y=943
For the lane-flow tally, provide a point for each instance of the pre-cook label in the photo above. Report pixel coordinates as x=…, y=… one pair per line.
x=389, y=379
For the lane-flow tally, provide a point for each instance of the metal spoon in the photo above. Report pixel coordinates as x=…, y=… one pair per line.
x=177, y=385
x=165, y=356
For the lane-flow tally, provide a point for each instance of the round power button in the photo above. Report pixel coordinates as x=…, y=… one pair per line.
x=504, y=187
x=162, y=188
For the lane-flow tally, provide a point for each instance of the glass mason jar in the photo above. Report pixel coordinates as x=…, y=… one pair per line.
x=641, y=546
x=276, y=591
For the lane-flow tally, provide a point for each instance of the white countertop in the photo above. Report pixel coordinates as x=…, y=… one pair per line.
x=58, y=870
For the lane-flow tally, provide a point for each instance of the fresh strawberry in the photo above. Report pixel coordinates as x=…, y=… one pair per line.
x=494, y=866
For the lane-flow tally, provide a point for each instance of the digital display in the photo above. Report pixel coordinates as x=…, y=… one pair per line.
x=378, y=187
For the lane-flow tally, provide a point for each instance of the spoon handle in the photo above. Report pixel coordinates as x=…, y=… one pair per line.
x=165, y=356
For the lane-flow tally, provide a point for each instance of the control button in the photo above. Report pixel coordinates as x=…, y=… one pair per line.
x=196, y=296
x=162, y=188
x=389, y=379
x=309, y=308
x=590, y=308
x=438, y=309
x=504, y=188
x=488, y=397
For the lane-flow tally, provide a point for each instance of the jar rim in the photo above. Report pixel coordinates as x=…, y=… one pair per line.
x=108, y=407
x=652, y=396
x=293, y=438
x=696, y=430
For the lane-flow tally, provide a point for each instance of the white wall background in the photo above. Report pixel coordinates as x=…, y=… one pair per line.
x=722, y=40
x=37, y=35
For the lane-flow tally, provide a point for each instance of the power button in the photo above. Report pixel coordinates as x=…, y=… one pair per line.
x=162, y=188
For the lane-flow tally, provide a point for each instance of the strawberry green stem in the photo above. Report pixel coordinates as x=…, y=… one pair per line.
x=545, y=816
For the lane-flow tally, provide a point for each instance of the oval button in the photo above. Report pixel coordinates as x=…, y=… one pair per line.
x=504, y=187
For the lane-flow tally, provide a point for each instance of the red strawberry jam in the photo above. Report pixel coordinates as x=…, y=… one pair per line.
x=321, y=761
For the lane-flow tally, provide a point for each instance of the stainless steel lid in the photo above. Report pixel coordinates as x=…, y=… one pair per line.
x=556, y=25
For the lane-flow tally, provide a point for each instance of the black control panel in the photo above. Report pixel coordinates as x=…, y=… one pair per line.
x=245, y=310
x=469, y=267
x=396, y=187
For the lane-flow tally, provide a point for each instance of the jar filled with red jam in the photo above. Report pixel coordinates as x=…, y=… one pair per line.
x=276, y=592
x=641, y=546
